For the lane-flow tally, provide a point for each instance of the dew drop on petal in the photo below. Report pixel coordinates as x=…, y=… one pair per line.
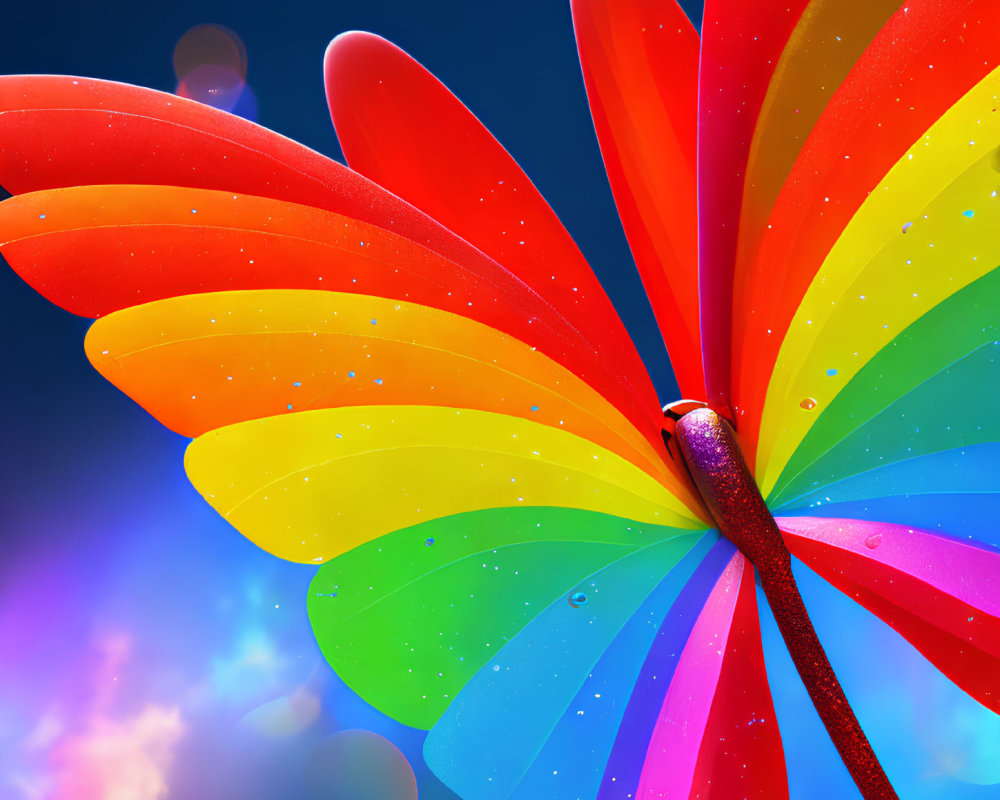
x=808, y=404
x=578, y=599
x=872, y=542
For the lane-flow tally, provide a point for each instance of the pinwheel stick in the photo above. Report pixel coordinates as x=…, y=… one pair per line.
x=728, y=489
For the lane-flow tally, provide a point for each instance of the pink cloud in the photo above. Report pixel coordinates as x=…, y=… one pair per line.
x=118, y=759
x=101, y=754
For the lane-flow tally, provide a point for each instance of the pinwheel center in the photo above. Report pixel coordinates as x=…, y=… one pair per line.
x=720, y=472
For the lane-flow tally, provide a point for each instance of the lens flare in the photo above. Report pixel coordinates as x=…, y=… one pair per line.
x=210, y=44
x=210, y=62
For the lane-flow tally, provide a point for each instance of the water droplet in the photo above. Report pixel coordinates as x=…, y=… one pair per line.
x=297, y=384
x=808, y=404
x=907, y=226
x=350, y=374
x=831, y=372
x=374, y=322
x=496, y=667
x=429, y=543
x=969, y=213
x=578, y=599
x=378, y=381
x=872, y=542
x=534, y=408
x=41, y=216
x=194, y=210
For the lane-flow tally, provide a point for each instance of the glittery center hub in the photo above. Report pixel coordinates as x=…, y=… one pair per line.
x=721, y=474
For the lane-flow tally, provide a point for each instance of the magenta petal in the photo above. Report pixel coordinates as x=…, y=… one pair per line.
x=717, y=735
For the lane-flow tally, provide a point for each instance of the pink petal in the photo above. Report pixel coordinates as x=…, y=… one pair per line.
x=942, y=595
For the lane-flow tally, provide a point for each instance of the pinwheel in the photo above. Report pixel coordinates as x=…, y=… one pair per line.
x=406, y=371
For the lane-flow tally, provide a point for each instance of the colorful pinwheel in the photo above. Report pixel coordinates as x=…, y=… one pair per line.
x=407, y=370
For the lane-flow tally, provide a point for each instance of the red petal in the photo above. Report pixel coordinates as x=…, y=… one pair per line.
x=59, y=131
x=640, y=66
x=402, y=128
x=942, y=595
x=741, y=45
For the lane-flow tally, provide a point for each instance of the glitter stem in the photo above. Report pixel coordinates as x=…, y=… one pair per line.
x=720, y=472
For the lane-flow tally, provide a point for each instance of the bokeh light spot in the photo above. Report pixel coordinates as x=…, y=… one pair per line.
x=358, y=765
x=210, y=62
x=210, y=44
x=286, y=716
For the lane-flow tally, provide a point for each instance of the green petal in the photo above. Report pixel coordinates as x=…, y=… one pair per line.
x=407, y=619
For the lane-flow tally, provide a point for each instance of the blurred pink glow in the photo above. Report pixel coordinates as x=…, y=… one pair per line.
x=210, y=62
x=112, y=759
x=210, y=44
x=101, y=755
